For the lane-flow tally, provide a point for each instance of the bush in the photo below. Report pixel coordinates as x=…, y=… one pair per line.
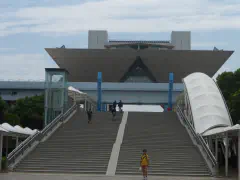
x=12, y=119
x=4, y=163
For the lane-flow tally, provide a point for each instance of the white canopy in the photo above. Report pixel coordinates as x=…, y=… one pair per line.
x=17, y=130
x=79, y=95
x=222, y=130
x=207, y=104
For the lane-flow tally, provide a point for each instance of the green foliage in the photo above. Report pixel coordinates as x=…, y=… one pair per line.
x=31, y=111
x=4, y=163
x=11, y=119
x=235, y=106
x=3, y=105
x=27, y=112
x=229, y=83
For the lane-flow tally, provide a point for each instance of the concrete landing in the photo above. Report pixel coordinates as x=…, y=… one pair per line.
x=28, y=176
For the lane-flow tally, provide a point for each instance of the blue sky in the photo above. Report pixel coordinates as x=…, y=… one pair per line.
x=29, y=26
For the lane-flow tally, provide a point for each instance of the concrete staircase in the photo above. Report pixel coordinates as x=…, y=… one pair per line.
x=169, y=146
x=76, y=147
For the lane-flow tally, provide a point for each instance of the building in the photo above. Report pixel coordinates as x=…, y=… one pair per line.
x=137, y=61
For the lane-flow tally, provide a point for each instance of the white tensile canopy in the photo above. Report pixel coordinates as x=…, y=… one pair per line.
x=9, y=130
x=207, y=104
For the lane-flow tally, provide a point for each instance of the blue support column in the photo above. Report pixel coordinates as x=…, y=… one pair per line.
x=99, y=88
x=104, y=107
x=170, y=91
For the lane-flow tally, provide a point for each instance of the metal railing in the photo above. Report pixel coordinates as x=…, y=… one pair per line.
x=198, y=138
x=22, y=144
x=38, y=136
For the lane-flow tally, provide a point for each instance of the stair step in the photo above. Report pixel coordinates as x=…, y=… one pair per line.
x=190, y=174
x=73, y=158
x=70, y=171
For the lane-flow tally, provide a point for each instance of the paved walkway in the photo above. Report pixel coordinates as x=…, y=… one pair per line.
x=28, y=176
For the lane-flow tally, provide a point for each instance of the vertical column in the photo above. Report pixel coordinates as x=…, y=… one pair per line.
x=17, y=142
x=99, y=88
x=226, y=156
x=216, y=152
x=238, y=154
x=6, y=146
x=1, y=146
x=170, y=91
x=85, y=105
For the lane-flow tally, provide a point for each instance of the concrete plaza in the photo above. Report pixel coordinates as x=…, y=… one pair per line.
x=35, y=176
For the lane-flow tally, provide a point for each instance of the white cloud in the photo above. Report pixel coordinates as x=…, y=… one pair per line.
x=24, y=66
x=6, y=49
x=125, y=16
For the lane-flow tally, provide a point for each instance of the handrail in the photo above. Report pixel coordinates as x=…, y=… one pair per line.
x=22, y=144
x=198, y=138
x=38, y=136
x=20, y=149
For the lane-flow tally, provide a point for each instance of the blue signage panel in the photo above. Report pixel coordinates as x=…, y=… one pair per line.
x=170, y=91
x=99, y=90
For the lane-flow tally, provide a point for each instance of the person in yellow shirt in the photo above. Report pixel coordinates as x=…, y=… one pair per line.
x=144, y=163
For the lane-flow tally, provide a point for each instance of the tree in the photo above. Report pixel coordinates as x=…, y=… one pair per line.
x=12, y=119
x=235, y=105
x=3, y=107
x=229, y=84
x=31, y=111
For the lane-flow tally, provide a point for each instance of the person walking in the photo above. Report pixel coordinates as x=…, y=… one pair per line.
x=113, y=113
x=89, y=114
x=144, y=163
x=120, y=106
x=114, y=104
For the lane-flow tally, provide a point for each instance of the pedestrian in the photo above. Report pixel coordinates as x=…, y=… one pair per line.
x=89, y=114
x=114, y=104
x=144, y=163
x=113, y=113
x=120, y=105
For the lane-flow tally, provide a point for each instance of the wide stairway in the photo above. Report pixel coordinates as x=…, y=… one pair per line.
x=76, y=147
x=169, y=146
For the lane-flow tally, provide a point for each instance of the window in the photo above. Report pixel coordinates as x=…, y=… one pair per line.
x=14, y=93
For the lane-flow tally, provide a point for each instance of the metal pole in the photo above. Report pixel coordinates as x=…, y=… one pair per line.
x=99, y=88
x=6, y=146
x=226, y=156
x=85, y=105
x=216, y=152
x=1, y=146
x=170, y=91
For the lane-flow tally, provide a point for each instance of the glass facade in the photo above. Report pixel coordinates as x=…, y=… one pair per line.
x=56, y=93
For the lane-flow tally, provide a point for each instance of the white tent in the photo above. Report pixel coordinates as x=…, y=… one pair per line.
x=207, y=104
x=16, y=130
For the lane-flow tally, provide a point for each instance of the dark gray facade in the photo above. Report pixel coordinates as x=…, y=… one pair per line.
x=84, y=64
